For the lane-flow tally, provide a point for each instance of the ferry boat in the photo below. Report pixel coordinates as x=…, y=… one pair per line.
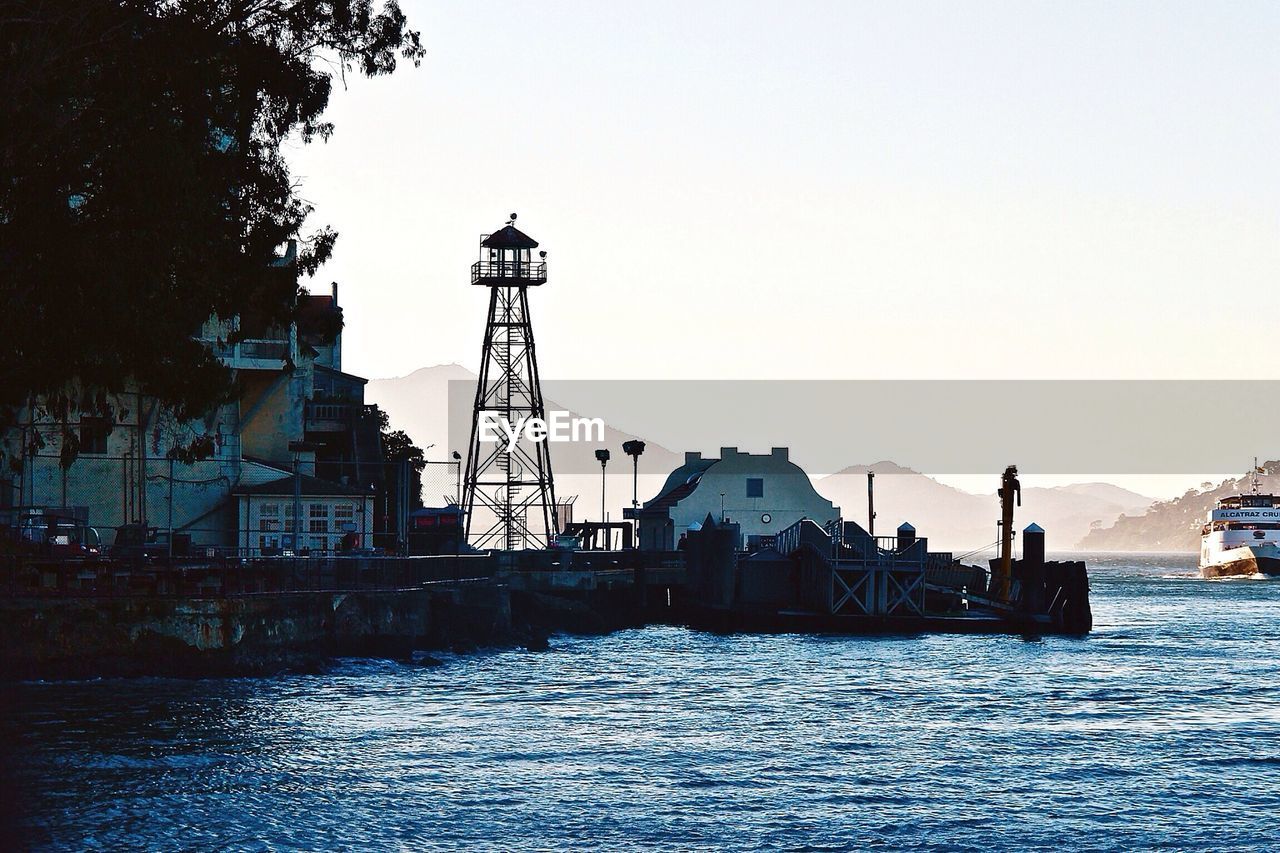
x=1242, y=536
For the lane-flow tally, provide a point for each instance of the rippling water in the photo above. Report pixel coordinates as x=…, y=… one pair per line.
x=1162, y=728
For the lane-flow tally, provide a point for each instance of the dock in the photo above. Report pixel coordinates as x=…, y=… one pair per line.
x=81, y=618
x=840, y=579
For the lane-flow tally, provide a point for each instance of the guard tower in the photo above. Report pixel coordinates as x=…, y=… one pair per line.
x=509, y=498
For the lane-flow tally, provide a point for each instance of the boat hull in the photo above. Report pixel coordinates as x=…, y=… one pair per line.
x=1243, y=562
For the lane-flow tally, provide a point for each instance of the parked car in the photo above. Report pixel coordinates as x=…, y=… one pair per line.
x=137, y=541
x=52, y=534
x=566, y=542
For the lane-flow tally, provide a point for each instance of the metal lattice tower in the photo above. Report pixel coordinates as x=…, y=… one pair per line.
x=516, y=487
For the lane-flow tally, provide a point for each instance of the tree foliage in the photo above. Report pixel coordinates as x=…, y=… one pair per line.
x=1175, y=525
x=397, y=446
x=142, y=185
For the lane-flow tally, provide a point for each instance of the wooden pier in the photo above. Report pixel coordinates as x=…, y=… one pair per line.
x=841, y=579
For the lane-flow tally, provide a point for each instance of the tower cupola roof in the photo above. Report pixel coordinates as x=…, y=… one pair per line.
x=509, y=237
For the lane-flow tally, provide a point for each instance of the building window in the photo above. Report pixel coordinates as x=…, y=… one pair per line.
x=288, y=518
x=319, y=518
x=93, y=435
x=344, y=517
x=755, y=487
x=269, y=518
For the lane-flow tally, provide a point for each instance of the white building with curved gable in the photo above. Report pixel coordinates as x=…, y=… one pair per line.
x=761, y=493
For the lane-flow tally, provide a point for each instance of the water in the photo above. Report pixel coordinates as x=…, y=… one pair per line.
x=1161, y=729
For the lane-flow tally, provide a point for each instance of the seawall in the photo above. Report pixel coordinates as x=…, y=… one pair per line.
x=247, y=634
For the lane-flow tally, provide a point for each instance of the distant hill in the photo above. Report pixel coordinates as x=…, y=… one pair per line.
x=419, y=405
x=950, y=517
x=958, y=520
x=1174, y=525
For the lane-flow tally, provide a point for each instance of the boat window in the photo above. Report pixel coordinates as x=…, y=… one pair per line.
x=1253, y=525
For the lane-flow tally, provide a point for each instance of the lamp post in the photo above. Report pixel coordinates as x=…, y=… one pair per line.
x=298, y=448
x=170, y=454
x=457, y=534
x=603, y=455
x=871, y=504
x=457, y=466
x=633, y=449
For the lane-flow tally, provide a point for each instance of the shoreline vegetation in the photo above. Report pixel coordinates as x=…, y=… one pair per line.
x=1174, y=525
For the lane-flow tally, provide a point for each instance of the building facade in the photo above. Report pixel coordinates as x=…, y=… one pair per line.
x=760, y=493
x=292, y=395
x=332, y=514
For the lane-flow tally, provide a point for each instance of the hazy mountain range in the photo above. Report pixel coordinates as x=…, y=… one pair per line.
x=419, y=405
x=958, y=520
x=952, y=518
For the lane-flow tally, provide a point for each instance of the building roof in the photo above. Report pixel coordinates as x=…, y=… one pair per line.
x=685, y=480
x=670, y=498
x=679, y=485
x=509, y=237
x=333, y=370
x=428, y=511
x=310, y=487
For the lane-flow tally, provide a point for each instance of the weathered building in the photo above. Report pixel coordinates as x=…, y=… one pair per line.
x=761, y=494
x=296, y=414
x=330, y=512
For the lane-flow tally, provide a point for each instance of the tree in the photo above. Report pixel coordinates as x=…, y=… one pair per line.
x=402, y=457
x=142, y=185
x=398, y=448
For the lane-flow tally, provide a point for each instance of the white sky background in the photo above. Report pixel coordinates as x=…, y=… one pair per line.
x=757, y=190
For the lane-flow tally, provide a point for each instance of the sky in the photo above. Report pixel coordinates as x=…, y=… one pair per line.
x=830, y=190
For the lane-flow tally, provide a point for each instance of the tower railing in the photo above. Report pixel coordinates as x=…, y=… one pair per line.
x=484, y=271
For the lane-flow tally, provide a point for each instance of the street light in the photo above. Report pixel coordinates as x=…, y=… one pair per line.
x=634, y=448
x=298, y=448
x=603, y=455
x=457, y=458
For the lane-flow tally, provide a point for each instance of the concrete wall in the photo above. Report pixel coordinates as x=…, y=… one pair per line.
x=272, y=412
x=69, y=638
x=134, y=475
x=133, y=479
